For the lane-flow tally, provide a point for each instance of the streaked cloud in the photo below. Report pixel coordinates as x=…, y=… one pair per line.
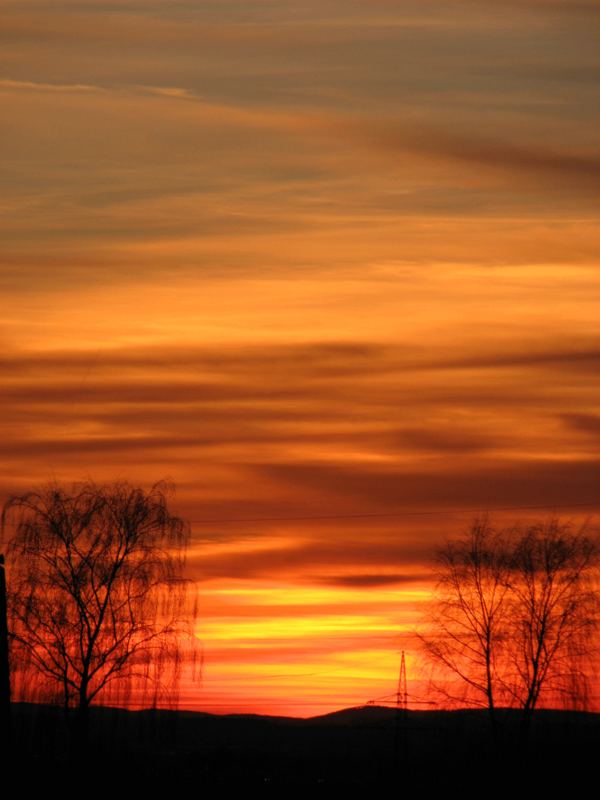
x=332, y=267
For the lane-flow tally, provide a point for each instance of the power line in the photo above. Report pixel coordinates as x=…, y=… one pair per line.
x=387, y=514
x=392, y=514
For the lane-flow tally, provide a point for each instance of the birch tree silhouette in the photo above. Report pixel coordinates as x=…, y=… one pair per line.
x=466, y=627
x=515, y=616
x=553, y=616
x=96, y=594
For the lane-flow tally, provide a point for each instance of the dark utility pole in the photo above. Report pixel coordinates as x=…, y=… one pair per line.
x=401, y=713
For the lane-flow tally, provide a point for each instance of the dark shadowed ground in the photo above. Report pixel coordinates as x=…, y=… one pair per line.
x=363, y=747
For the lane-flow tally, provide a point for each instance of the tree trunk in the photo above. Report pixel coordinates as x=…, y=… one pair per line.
x=81, y=731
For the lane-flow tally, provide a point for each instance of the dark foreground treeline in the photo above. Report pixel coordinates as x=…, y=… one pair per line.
x=365, y=747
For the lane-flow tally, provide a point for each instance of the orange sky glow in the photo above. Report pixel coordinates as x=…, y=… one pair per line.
x=317, y=263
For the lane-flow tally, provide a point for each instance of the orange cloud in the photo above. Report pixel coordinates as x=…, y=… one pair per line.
x=318, y=265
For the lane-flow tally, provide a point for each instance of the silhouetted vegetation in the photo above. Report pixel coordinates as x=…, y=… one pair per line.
x=515, y=618
x=95, y=596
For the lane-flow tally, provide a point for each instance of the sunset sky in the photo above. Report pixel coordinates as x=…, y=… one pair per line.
x=317, y=262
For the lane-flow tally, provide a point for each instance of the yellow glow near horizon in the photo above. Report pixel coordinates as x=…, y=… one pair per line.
x=342, y=266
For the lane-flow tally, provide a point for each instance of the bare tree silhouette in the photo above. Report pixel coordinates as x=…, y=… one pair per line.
x=466, y=626
x=514, y=617
x=96, y=594
x=554, y=614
